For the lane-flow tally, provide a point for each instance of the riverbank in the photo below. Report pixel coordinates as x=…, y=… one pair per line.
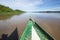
x=6, y=15
x=10, y=13
x=4, y=10
x=7, y=12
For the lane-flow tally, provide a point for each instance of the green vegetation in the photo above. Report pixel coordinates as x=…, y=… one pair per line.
x=6, y=12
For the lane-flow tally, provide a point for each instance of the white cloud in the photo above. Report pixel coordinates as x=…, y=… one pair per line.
x=22, y=4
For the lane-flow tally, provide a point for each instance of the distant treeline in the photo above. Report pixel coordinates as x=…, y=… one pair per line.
x=47, y=12
x=7, y=12
x=7, y=9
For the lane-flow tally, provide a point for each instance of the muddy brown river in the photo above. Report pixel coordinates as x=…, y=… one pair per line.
x=50, y=22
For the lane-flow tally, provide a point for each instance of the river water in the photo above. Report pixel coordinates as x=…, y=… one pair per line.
x=50, y=22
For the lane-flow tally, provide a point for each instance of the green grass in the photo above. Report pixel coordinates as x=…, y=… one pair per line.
x=4, y=10
x=10, y=13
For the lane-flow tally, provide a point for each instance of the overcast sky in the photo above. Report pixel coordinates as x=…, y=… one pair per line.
x=32, y=5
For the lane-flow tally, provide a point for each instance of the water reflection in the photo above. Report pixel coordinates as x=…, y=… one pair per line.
x=7, y=16
x=49, y=21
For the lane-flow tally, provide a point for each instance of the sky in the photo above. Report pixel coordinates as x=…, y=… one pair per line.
x=32, y=5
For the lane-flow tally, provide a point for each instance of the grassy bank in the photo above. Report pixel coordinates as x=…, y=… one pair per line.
x=7, y=12
x=4, y=10
x=10, y=13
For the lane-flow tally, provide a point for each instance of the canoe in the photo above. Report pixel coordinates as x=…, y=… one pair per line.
x=34, y=32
